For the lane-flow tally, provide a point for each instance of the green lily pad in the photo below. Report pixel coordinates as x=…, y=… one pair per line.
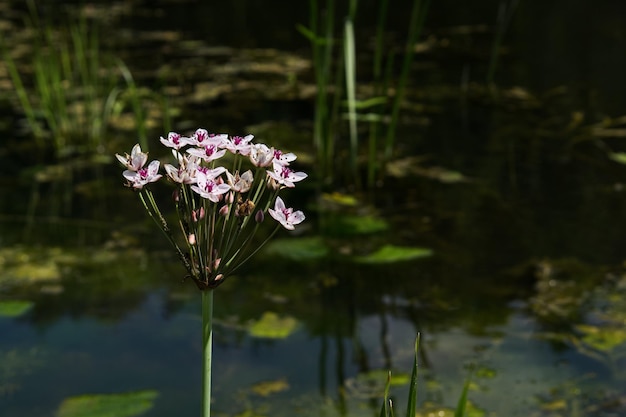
x=300, y=249
x=340, y=199
x=266, y=388
x=271, y=326
x=619, y=157
x=604, y=339
x=390, y=254
x=381, y=375
x=14, y=308
x=108, y=405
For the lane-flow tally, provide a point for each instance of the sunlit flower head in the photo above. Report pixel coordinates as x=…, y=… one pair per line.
x=242, y=183
x=135, y=161
x=285, y=176
x=286, y=216
x=261, y=155
x=283, y=158
x=209, y=186
x=202, y=138
x=175, y=140
x=137, y=179
x=238, y=144
x=209, y=153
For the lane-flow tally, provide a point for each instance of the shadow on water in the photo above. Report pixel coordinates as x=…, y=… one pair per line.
x=515, y=191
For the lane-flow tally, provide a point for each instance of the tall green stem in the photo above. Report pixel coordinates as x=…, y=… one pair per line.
x=207, y=343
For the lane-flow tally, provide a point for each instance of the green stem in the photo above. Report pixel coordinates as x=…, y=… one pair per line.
x=207, y=343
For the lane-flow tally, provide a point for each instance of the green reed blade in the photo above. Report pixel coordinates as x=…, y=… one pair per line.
x=418, y=15
x=350, y=74
x=411, y=406
x=135, y=98
x=461, y=405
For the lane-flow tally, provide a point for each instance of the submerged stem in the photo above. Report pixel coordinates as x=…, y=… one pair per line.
x=207, y=343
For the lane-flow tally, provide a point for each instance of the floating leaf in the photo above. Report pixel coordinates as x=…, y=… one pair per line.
x=108, y=405
x=267, y=388
x=604, y=339
x=339, y=198
x=619, y=157
x=272, y=326
x=301, y=249
x=14, y=308
x=390, y=253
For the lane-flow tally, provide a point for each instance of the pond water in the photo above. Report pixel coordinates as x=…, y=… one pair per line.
x=515, y=188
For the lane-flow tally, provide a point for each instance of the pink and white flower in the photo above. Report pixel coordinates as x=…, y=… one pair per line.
x=135, y=161
x=284, y=158
x=286, y=216
x=137, y=179
x=240, y=184
x=175, y=140
x=202, y=138
x=237, y=144
x=185, y=173
x=208, y=153
x=261, y=155
x=283, y=175
x=209, y=186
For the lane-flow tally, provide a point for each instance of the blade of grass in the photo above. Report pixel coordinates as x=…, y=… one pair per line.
x=418, y=15
x=135, y=98
x=461, y=405
x=350, y=76
x=411, y=406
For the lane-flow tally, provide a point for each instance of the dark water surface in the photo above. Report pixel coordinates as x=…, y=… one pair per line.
x=512, y=187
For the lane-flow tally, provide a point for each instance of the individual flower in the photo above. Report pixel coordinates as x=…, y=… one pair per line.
x=185, y=173
x=202, y=138
x=237, y=144
x=261, y=155
x=242, y=183
x=284, y=158
x=286, y=216
x=135, y=161
x=209, y=153
x=137, y=179
x=284, y=175
x=209, y=186
x=175, y=140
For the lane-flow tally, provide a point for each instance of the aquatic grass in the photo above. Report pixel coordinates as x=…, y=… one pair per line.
x=506, y=9
x=135, y=99
x=416, y=24
x=69, y=98
x=350, y=79
x=327, y=127
x=387, y=408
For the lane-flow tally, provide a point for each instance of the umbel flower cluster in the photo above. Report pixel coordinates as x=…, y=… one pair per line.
x=218, y=209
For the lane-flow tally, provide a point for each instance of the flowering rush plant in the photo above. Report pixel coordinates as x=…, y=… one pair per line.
x=220, y=202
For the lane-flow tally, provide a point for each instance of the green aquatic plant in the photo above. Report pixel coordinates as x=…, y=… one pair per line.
x=70, y=89
x=72, y=85
x=331, y=86
x=387, y=409
x=14, y=308
x=219, y=212
x=108, y=405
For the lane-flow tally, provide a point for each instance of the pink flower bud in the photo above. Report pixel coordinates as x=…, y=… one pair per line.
x=192, y=239
x=259, y=216
x=224, y=210
x=176, y=196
